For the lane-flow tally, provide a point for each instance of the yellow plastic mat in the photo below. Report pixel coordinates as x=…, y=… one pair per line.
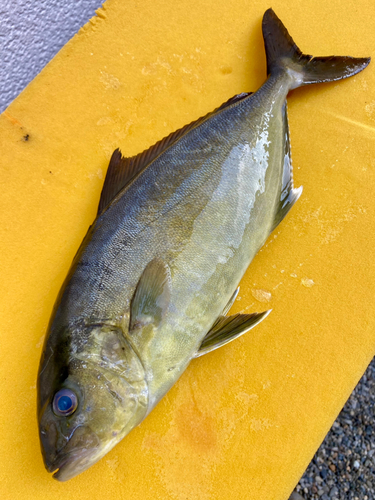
x=244, y=421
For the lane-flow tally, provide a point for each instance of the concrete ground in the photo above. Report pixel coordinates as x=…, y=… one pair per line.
x=343, y=468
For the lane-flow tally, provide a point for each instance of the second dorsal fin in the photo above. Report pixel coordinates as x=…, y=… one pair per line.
x=289, y=194
x=121, y=171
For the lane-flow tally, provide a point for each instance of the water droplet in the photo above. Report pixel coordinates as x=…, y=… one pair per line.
x=40, y=342
x=261, y=295
x=307, y=282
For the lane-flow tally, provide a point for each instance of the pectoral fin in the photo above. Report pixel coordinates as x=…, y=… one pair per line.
x=228, y=328
x=152, y=295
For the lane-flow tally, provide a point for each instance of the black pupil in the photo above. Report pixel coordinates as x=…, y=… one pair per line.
x=64, y=403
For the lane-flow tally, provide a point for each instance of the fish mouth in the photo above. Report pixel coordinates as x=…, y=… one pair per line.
x=72, y=464
x=81, y=451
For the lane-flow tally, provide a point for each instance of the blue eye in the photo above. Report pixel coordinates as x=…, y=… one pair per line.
x=64, y=403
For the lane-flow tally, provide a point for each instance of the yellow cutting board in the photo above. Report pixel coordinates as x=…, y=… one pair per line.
x=244, y=421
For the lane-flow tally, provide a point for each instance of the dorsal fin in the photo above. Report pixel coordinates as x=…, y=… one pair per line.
x=122, y=170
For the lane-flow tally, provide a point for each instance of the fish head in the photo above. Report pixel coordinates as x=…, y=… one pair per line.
x=89, y=398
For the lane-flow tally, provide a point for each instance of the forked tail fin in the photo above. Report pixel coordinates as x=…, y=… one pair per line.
x=282, y=52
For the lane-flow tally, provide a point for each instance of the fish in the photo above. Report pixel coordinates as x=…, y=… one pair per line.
x=157, y=272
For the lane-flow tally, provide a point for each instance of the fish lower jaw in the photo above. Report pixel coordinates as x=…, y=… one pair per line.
x=76, y=462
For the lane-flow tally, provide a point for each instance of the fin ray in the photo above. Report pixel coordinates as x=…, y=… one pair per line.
x=152, y=295
x=121, y=170
x=228, y=328
x=230, y=302
x=289, y=195
x=282, y=52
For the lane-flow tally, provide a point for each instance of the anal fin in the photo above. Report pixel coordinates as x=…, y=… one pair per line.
x=228, y=328
x=230, y=302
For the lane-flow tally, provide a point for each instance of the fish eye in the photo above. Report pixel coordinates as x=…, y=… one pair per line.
x=64, y=403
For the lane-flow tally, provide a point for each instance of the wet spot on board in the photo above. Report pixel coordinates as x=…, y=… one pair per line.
x=331, y=226
x=196, y=427
x=109, y=81
x=247, y=400
x=307, y=282
x=261, y=295
x=40, y=341
x=259, y=424
x=226, y=70
x=113, y=465
x=370, y=110
x=203, y=425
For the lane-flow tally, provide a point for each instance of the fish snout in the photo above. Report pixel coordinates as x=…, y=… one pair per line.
x=68, y=456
